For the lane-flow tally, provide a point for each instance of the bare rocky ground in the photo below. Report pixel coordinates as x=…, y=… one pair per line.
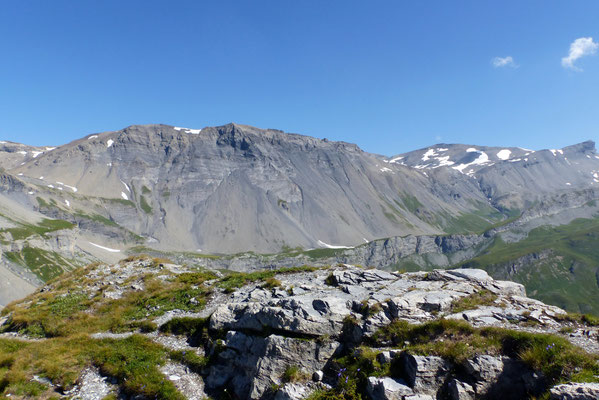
x=288, y=336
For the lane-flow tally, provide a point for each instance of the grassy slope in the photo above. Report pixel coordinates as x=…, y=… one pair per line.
x=64, y=317
x=43, y=263
x=566, y=276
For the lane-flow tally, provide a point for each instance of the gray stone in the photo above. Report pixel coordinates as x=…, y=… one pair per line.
x=384, y=357
x=293, y=391
x=419, y=397
x=387, y=389
x=317, y=376
x=305, y=314
x=503, y=376
x=484, y=367
x=92, y=386
x=428, y=300
x=188, y=383
x=425, y=374
x=252, y=364
x=575, y=391
x=460, y=390
x=470, y=274
x=506, y=288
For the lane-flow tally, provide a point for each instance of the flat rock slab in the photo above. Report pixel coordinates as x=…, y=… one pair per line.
x=575, y=391
x=387, y=389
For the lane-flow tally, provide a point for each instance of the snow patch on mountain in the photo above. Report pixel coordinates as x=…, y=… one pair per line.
x=330, y=246
x=73, y=188
x=429, y=153
x=126, y=187
x=105, y=248
x=444, y=162
x=482, y=158
x=188, y=130
x=504, y=154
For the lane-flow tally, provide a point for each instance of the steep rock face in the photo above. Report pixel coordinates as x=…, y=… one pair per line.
x=236, y=187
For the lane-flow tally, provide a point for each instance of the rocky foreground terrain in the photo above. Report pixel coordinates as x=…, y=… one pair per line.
x=147, y=328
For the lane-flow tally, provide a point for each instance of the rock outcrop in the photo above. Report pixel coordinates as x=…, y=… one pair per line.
x=575, y=391
x=304, y=309
x=338, y=330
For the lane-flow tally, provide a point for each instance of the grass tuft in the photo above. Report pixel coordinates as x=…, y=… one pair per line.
x=474, y=301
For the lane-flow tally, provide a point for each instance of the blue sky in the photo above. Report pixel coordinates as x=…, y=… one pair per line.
x=391, y=76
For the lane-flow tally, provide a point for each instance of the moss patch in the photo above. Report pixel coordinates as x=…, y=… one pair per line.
x=44, y=264
x=46, y=226
x=473, y=301
x=238, y=279
x=145, y=206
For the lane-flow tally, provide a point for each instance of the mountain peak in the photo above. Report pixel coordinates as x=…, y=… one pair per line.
x=584, y=147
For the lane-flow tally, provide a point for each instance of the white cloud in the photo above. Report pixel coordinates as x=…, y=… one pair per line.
x=500, y=62
x=579, y=48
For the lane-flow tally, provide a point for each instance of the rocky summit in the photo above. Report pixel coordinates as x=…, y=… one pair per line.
x=148, y=328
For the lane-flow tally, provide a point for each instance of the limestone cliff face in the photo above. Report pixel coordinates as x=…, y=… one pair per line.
x=237, y=188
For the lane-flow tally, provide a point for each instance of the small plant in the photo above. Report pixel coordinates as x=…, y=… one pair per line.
x=185, y=326
x=292, y=374
x=271, y=283
x=585, y=319
x=331, y=280
x=566, y=330
x=191, y=360
x=474, y=301
x=369, y=310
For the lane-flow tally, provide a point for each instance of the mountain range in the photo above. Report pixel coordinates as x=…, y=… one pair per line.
x=240, y=197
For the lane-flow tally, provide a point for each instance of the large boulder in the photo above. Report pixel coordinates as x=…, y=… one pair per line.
x=252, y=364
x=425, y=374
x=294, y=391
x=304, y=315
x=387, y=389
x=460, y=391
x=503, y=377
x=485, y=370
